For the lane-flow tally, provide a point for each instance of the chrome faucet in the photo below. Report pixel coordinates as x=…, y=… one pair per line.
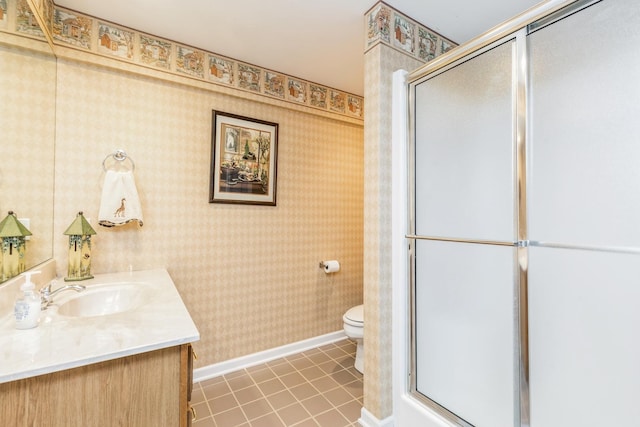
x=47, y=294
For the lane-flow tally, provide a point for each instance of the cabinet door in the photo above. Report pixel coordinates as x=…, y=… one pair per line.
x=138, y=390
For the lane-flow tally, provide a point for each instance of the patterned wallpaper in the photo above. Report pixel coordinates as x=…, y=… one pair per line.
x=392, y=42
x=380, y=63
x=248, y=274
x=27, y=79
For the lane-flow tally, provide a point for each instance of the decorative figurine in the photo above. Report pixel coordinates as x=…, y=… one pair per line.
x=79, y=233
x=12, y=234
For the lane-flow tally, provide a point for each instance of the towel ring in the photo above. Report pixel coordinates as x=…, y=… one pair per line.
x=119, y=155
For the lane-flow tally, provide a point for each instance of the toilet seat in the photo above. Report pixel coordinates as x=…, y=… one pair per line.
x=354, y=316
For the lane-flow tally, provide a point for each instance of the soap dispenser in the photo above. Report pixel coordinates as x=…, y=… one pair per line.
x=27, y=308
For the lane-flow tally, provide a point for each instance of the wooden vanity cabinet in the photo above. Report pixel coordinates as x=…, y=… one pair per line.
x=147, y=389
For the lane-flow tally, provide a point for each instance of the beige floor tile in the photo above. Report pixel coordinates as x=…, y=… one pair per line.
x=262, y=375
x=312, y=373
x=316, y=388
x=338, y=396
x=197, y=395
x=251, y=369
x=234, y=374
x=351, y=410
x=327, y=347
x=302, y=363
x=342, y=377
x=332, y=418
x=353, y=371
x=257, y=409
x=271, y=386
x=240, y=381
x=311, y=352
x=202, y=409
x=307, y=423
x=293, y=379
x=295, y=356
x=275, y=362
x=346, y=362
x=319, y=357
x=281, y=399
x=293, y=414
x=303, y=391
x=355, y=388
x=330, y=366
x=347, y=345
x=316, y=405
x=336, y=353
x=213, y=380
x=215, y=389
x=324, y=383
x=223, y=403
x=248, y=394
x=283, y=369
x=204, y=422
x=269, y=420
x=231, y=418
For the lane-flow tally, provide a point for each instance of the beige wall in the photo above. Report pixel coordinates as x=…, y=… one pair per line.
x=27, y=122
x=380, y=63
x=248, y=274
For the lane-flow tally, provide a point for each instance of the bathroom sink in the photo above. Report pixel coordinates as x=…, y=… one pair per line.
x=101, y=300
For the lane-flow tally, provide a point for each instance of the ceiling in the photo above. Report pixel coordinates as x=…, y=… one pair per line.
x=317, y=40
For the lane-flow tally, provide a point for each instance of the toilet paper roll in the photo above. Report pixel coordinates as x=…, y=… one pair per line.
x=331, y=266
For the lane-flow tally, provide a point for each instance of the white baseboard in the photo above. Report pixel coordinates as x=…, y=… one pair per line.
x=367, y=419
x=232, y=365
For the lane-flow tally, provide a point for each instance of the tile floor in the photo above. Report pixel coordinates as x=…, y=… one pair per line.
x=318, y=387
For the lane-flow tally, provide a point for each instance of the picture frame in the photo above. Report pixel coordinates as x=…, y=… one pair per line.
x=244, y=154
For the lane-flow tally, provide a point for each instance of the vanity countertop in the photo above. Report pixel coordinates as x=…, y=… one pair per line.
x=59, y=342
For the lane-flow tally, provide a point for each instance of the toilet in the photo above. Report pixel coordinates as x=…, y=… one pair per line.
x=354, y=328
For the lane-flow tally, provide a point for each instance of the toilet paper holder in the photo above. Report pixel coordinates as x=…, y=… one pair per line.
x=332, y=266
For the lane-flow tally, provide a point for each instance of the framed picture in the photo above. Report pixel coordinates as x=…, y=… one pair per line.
x=244, y=154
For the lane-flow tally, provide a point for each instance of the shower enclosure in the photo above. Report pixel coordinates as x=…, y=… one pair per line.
x=523, y=235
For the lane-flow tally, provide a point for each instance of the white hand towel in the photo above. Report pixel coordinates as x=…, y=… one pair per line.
x=120, y=203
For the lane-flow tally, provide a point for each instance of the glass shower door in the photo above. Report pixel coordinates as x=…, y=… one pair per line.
x=584, y=210
x=465, y=239
x=523, y=236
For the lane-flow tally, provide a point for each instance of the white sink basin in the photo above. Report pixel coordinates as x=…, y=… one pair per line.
x=101, y=300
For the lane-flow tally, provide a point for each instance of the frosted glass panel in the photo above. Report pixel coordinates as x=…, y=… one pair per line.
x=585, y=159
x=583, y=336
x=464, y=150
x=464, y=329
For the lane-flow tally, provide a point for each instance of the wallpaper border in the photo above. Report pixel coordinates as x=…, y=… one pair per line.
x=71, y=29
x=384, y=24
